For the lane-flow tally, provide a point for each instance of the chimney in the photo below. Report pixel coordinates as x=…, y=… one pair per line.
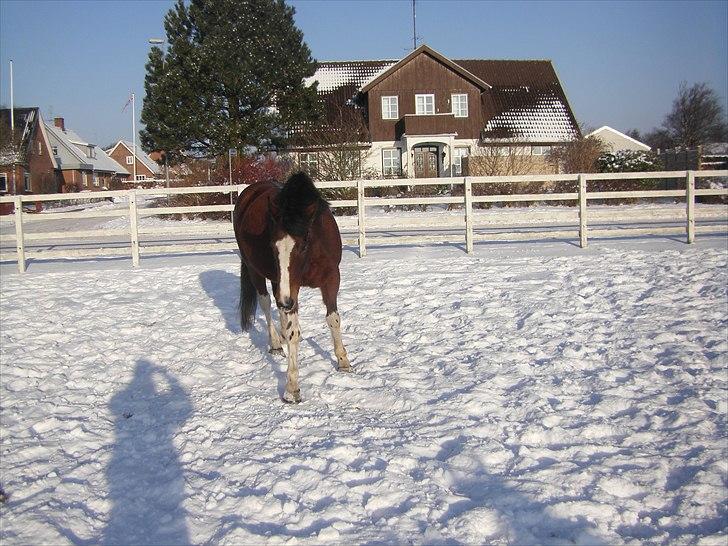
x=58, y=122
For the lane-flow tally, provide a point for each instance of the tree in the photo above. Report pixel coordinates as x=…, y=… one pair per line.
x=579, y=155
x=232, y=77
x=696, y=118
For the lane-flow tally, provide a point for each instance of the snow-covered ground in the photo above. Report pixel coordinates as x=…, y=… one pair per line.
x=522, y=395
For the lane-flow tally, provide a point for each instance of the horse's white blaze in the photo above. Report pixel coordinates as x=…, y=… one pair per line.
x=285, y=247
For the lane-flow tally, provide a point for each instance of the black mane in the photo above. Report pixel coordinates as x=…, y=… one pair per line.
x=294, y=202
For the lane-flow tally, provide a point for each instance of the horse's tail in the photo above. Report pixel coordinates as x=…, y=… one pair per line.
x=248, y=298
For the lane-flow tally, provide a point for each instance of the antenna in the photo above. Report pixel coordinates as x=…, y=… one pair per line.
x=414, y=25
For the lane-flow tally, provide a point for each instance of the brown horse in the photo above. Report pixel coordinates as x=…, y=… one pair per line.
x=288, y=235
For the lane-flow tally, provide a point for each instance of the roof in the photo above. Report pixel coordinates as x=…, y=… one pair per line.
x=148, y=162
x=75, y=153
x=607, y=129
x=25, y=121
x=521, y=99
x=438, y=56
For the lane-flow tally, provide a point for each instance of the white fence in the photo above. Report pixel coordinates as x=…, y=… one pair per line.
x=466, y=223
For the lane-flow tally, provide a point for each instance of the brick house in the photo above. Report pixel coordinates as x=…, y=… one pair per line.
x=26, y=162
x=81, y=165
x=146, y=168
x=424, y=113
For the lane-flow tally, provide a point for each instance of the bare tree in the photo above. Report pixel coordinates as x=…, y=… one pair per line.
x=697, y=117
x=510, y=158
x=580, y=155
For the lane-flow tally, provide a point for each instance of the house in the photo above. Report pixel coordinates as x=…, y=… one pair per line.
x=424, y=113
x=81, y=165
x=26, y=163
x=614, y=141
x=146, y=168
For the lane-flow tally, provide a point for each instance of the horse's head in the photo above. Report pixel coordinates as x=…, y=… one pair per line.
x=293, y=212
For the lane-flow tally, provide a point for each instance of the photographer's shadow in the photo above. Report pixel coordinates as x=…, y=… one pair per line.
x=145, y=477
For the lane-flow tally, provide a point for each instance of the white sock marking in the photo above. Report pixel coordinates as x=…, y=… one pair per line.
x=285, y=247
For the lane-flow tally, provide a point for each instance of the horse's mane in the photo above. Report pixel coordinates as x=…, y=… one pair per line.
x=294, y=203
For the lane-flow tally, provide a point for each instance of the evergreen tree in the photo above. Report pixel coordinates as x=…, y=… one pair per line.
x=232, y=77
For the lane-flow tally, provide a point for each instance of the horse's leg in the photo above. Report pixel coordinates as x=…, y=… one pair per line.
x=329, y=292
x=274, y=337
x=292, y=333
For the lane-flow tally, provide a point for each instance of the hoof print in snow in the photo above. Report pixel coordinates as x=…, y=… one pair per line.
x=3, y=496
x=126, y=415
x=277, y=352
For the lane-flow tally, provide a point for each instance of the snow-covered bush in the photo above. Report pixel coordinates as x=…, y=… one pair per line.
x=629, y=161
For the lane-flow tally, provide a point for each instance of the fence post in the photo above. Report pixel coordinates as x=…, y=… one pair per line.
x=468, y=191
x=361, y=218
x=134, y=228
x=583, y=240
x=19, y=242
x=690, y=204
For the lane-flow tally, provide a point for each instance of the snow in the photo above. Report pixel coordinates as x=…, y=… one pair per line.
x=527, y=394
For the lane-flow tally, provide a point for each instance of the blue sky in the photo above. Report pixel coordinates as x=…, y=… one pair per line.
x=621, y=63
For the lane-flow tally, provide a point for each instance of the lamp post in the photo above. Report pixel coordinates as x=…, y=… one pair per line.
x=158, y=42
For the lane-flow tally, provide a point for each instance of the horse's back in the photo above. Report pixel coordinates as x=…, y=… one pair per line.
x=250, y=216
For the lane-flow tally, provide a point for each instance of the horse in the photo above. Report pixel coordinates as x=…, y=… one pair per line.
x=288, y=235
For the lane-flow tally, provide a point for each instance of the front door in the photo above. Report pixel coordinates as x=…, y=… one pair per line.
x=426, y=162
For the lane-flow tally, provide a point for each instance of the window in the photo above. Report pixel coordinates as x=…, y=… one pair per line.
x=390, y=107
x=3, y=182
x=308, y=161
x=540, y=150
x=458, y=154
x=391, y=162
x=141, y=177
x=40, y=148
x=424, y=105
x=54, y=149
x=460, y=105
x=84, y=180
x=91, y=152
x=96, y=180
x=26, y=181
x=130, y=160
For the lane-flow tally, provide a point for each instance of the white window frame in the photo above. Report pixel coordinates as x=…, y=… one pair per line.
x=3, y=182
x=461, y=111
x=97, y=183
x=422, y=109
x=391, y=161
x=540, y=150
x=308, y=162
x=84, y=180
x=390, y=107
x=457, y=159
x=26, y=181
x=54, y=150
x=141, y=177
x=130, y=160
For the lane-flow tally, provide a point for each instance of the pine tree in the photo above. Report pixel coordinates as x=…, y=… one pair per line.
x=232, y=77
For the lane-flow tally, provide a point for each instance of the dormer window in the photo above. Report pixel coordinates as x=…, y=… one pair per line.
x=460, y=105
x=390, y=107
x=91, y=152
x=424, y=105
x=54, y=149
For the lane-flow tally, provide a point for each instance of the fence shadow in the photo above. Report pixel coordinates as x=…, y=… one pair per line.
x=145, y=477
x=224, y=290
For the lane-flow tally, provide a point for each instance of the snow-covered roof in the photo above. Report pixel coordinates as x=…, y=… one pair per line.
x=73, y=152
x=547, y=119
x=332, y=75
x=617, y=140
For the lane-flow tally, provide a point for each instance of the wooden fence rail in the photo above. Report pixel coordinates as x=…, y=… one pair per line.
x=359, y=223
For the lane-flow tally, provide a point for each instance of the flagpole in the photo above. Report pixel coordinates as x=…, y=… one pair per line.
x=133, y=133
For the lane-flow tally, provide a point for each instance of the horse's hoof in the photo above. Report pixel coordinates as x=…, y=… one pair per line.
x=277, y=352
x=344, y=368
x=292, y=398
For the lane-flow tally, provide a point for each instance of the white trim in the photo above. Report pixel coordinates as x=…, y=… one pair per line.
x=396, y=105
x=452, y=104
x=425, y=95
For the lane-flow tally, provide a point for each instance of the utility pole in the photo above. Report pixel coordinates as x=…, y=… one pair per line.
x=414, y=26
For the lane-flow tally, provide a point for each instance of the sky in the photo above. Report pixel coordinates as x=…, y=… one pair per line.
x=620, y=63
